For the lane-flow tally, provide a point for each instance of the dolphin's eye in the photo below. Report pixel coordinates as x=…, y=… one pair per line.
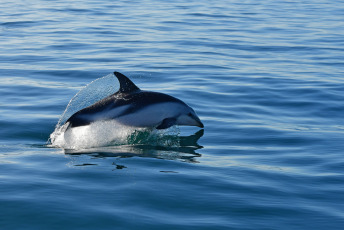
x=190, y=114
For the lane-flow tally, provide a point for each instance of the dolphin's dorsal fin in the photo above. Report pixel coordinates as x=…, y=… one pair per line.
x=125, y=84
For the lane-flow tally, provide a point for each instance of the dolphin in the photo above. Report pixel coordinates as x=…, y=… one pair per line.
x=134, y=107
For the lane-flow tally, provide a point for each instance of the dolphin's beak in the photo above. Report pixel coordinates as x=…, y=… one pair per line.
x=190, y=119
x=198, y=122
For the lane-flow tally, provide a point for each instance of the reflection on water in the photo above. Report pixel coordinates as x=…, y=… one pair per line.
x=183, y=148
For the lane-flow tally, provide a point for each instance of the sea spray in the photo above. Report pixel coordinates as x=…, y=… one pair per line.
x=105, y=133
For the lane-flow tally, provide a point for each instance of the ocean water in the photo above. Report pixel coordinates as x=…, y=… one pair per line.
x=265, y=77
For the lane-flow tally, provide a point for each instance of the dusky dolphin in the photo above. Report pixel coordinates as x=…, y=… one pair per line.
x=132, y=106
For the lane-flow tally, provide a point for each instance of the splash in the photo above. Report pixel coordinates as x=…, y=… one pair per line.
x=109, y=133
x=91, y=93
x=104, y=133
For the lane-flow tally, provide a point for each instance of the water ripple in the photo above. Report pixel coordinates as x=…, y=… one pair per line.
x=265, y=77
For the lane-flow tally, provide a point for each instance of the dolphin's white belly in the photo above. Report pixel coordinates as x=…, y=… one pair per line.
x=150, y=116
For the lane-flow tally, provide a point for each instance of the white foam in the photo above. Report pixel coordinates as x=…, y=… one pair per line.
x=97, y=134
x=105, y=133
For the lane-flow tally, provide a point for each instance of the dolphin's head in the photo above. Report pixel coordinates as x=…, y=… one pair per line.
x=188, y=117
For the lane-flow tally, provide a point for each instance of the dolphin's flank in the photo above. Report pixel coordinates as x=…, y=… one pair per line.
x=138, y=108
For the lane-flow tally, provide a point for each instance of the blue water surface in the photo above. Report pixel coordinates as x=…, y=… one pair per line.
x=265, y=77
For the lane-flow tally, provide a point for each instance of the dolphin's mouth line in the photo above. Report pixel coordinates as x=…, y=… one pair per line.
x=200, y=124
